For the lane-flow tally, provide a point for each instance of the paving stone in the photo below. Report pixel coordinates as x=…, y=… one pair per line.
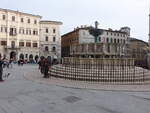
x=25, y=91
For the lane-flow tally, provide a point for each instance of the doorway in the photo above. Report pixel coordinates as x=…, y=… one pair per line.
x=13, y=55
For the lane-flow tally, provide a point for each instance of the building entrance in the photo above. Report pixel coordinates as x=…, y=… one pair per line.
x=13, y=55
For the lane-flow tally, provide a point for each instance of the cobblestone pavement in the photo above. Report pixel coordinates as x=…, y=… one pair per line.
x=19, y=94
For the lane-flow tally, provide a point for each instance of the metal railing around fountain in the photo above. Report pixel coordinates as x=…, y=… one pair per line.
x=100, y=70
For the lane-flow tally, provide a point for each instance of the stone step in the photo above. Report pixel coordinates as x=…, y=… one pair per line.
x=99, y=78
x=97, y=70
x=100, y=74
x=142, y=76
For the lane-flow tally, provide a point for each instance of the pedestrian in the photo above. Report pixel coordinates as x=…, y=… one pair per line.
x=41, y=64
x=18, y=62
x=10, y=63
x=21, y=62
x=46, y=68
x=1, y=69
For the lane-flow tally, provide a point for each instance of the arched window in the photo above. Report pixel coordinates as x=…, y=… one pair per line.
x=30, y=56
x=46, y=48
x=21, y=56
x=54, y=49
x=36, y=58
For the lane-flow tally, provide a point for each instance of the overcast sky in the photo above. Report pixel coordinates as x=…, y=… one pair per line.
x=109, y=13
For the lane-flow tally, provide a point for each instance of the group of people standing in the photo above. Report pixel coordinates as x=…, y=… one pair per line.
x=44, y=65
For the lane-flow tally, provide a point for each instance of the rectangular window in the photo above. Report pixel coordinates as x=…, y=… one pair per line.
x=28, y=44
x=35, y=44
x=30, y=32
x=13, y=18
x=22, y=20
x=3, y=43
x=99, y=39
x=5, y=29
x=13, y=32
x=4, y=17
x=107, y=40
x=46, y=30
x=108, y=48
x=46, y=38
x=26, y=55
x=54, y=30
x=1, y=29
x=35, y=21
x=28, y=20
x=115, y=41
x=19, y=31
x=54, y=39
x=27, y=31
x=21, y=44
x=22, y=31
x=34, y=32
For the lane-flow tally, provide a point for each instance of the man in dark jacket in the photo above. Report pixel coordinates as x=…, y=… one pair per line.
x=1, y=68
x=46, y=68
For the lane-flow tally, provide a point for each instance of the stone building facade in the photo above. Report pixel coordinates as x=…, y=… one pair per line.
x=81, y=43
x=138, y=50
x=20, y=35
x=50, y=39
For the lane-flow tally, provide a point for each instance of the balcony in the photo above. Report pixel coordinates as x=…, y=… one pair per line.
x=11, y=47
x=12, y=34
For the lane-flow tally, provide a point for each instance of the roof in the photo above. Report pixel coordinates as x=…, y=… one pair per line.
x=87, y=28
x=134, y=39
x=9, y=10
x=50, y=22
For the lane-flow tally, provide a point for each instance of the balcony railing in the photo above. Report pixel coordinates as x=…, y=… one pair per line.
x=12, y=47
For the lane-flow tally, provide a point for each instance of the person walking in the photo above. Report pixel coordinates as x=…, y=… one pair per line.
x=41, y=65
x=46, y=68
x=1, y=69
x=10, y=63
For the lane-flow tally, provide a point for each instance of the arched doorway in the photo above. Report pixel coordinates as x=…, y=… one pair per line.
x=13, y=55
x=21, y=56
x=31, y=58
x=36, y=58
